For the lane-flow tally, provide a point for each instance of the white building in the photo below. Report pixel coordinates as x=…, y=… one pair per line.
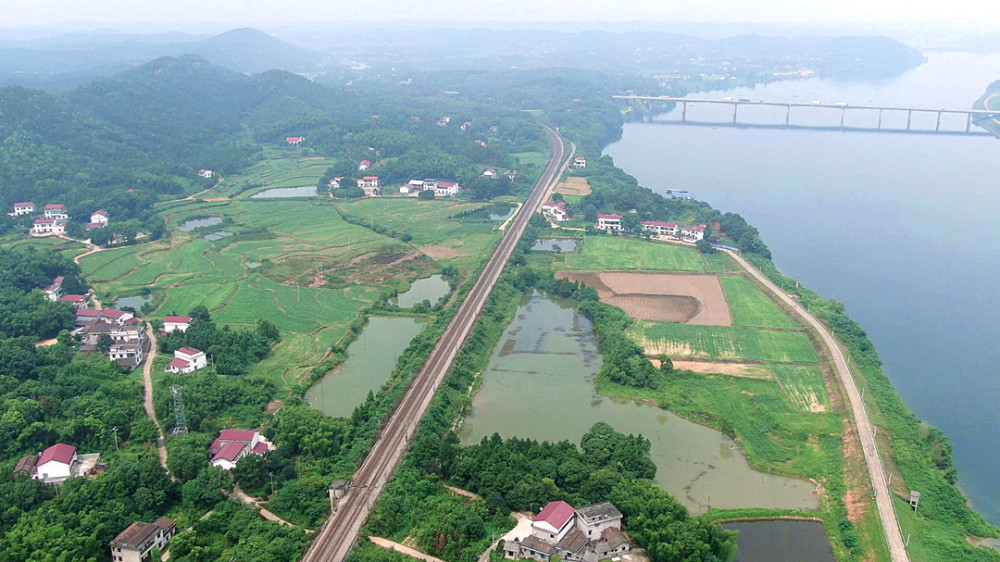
x=56, y=463
x=49, y=226
x=138, y=540
x=580, y=162
x=55, y=211
x=364, y=165
x=171, y=323
x=589, y=534
x=610, y=222
x=234, y=444
x=205, y=173
x=187, y=360
x=555, y=211
x=693, y=233
x=443, y=188
x=660, y=228
x=25, y=208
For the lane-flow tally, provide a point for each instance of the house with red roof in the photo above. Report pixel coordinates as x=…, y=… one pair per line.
x=187, y=360
x=587, y=534
x=55, y=464
x=490, y=173
x=49, y=226
x=78, y=301
x=443, y=188
x=172, y=323
x=364, y=165
x=610, y=222
x=660, y=228
x=555, y=211
x=205, y=173
x=24, y=208
x=693, y=233
x=54, y=291
x=579, y=162
x=295, y=141
x=98, y=219
x=55, y=211
x=234, y=444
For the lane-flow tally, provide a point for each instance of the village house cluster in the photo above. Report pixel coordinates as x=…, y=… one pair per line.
x=612, y=222
x=59, y=463
x=234, y=444
x=54, y=218
x=587, y=534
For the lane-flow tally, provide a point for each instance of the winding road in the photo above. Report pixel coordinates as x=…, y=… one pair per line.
x=339, y=535
x=883, y=497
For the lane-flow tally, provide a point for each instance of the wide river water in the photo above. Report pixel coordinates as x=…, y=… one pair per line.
x=897, y=226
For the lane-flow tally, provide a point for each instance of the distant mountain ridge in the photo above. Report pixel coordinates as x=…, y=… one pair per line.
x=63, y=63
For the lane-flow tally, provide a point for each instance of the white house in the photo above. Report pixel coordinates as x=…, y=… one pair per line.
x=364, y=165
x=443, y=188
x=610, y=222
x=56, y=463
x=138, y=540
x=54, y=291
x=490, y=173
x=294, y=141
x=660, y=228
x=171, y=323
x=55, y=211
x=589, y=534
x=693, y=233
x=205, y=173
x=78, y=301
x=555, y=211
x=25, y=208
x=98, y=219
x=49, y=226
x=579, y=162
x=187, y=360
x=234, y=444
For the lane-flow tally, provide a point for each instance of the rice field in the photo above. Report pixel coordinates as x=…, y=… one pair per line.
x=752, y=308
x=721, y=342
x=599, y=253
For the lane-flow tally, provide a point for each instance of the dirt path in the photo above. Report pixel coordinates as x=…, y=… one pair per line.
x=883, y=497
x=270, y=516
x=386, y=543
x=463, y=493
x=147, y=401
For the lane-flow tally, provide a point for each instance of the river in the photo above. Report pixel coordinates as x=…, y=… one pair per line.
x=894, y=225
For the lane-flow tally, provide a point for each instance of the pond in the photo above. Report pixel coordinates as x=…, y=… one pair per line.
x=556, y=244
x=192, y=224
x=432, y=288
x=219, y=235
x=279, y=192
x=540, y=385
x=135, y=302
x=370, y=360
x=781, y=541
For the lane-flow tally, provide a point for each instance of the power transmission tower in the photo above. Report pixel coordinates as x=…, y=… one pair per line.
x=180, y=424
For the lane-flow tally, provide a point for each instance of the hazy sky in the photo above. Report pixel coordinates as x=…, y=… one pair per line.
x=181, y=14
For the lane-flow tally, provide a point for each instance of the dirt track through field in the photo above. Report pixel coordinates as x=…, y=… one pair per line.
x=664, y=297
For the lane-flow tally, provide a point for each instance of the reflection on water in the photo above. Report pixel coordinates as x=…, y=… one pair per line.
x=135, y=303
x=302, y=191
x=432, y=288
x=781, y=541
x=198, y=223
x=370, y=360
x=540, y=385
x=556, y=244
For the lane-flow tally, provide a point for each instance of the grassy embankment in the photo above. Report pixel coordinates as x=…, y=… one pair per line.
x=781, y=404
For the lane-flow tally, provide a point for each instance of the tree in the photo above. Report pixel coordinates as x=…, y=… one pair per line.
x=666, y=365
x=251, y=473
x=104, y=343
x=426, y=194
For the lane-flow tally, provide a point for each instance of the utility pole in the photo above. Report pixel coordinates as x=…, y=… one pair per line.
x=114, y=431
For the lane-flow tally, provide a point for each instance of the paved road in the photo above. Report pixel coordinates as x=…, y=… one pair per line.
x=883, y=498
x=340, y=533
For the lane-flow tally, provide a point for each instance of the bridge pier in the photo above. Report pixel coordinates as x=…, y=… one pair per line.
x=735, y=107
x=968, y=122
x=909, y=116
x=937, y=127
x=684, y=112
x=843, y=112
x=788, y=113
x=879, y=127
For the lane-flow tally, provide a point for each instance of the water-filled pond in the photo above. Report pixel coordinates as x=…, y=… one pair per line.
x=432, y=288
x=371, y=358
x=556, y=244
x=192, y=224
x=218, y=235
x=278, y=192
x=135, y=303
x=781, y=541
x=540, y=385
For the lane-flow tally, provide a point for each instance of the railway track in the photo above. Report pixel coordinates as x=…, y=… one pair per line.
x=340, y=534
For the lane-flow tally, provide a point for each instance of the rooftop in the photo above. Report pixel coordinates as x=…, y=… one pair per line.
x=136, y=535
x=555, y=514
x=60, y=452
x=599, y=512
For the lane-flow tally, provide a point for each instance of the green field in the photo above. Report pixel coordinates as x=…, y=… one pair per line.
x=598, y=253
x=804, y=386
x=310, y=272
x=280, y=167
x=721, y=342
x=751, y=307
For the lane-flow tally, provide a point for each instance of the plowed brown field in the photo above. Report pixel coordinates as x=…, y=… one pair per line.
x=574, y=185
x=694, y=299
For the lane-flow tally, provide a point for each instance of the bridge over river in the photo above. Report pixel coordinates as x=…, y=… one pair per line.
x=843, y=107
